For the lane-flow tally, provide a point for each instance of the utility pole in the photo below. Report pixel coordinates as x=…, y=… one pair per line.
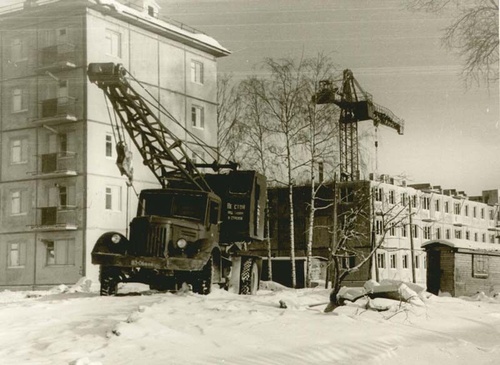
x=412, y=250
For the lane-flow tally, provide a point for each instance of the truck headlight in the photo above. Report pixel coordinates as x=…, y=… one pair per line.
x=181, y=243
x=116, y=238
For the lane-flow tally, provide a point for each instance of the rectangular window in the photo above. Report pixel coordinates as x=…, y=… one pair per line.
x=466, y=210
x=378, y=194
x=197, y=72
x=404, y=230
x=18, y=202
x=112, y=199
x=348, y=262
x=109, y=145
x=438, y=233
x=426, y=202
x=483, y=238
x=63, y=196
x=458, y=234
x=417, y=261
x=492, y=238
x=19, y=100
x=17, y=50
x=18, y=151
x=413, y=201
x=59, y=252
x=393, y=261
x=476, y=236
x=456, y=208
x=392, y=231
x=381, y=260
x=437, y=205
x=378, y=227
x=414, y=229
x=482, y=213
x=448, y=234
x=405, y=261
x=391, y=197
x=467, y=235
x=404, y=199
x=492, y=214
x=197, y=116
x=474, y=212
x=480, y=266
x=446, y=207
x=17, y=255
x=113, y=43
x=427, y=232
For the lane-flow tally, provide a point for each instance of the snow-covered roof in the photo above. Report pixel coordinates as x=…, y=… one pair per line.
x=197, y=38
x=465, y=245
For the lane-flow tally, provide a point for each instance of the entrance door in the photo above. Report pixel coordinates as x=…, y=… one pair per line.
x=433, y=271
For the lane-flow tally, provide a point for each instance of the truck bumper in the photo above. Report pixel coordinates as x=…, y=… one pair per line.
x=155, y=263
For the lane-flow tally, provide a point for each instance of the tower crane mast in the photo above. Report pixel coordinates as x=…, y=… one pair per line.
x=355, y=105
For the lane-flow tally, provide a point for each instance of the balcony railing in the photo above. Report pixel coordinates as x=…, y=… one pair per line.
x=57, y=110
x=57, y=58
x=56, y=218
x=56, y=164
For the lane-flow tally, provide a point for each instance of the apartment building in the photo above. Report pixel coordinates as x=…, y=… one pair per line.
x=402, y=217
x=59, y=186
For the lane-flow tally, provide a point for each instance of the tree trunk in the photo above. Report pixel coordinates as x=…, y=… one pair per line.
x=290, y=198
x=310, y=235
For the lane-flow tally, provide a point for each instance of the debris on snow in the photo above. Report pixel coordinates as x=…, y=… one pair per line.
x=283, y=304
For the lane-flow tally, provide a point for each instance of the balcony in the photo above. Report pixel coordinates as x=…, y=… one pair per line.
x=57, y=164
x=56, y=110
x=57, y=58
x=62, y=218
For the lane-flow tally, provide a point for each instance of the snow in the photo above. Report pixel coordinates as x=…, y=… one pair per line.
x=74, y=325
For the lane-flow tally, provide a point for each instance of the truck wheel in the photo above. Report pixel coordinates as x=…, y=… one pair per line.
x=202, y=282
x=109, y=278
x=249, y=277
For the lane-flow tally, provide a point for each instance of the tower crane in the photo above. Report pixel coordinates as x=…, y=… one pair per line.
x=355, y=105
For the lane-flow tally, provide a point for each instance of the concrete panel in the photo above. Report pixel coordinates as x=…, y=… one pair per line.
x=144, y=57
x=21, y=103
x=172, y=68
x=22, y=275
x=208, y=90
x=17, y=222
x=23, y=170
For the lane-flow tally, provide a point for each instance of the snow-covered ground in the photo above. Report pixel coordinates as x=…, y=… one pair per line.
x=77, y=326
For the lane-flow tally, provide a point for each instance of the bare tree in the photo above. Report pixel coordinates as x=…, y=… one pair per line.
x=256, y=140
x=228, y=117
x=282, y=94
x=473, y=33
x=321, y=122
x=357, y=211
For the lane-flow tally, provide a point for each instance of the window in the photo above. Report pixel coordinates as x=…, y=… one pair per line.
x=483, y=238
x=404, y=199
x=109, y=145
x=393, y=261
x=17, y=255
x=437, y=205
x=391, y=197
x=381, y=260
x=458, y=234
x=112, y=199
x=113, y=43
x=456, y=208
x=480, y=266
x=378, y=227
x=19, y=201
x=198, y=157
x=466, y=210
x=405, y=261
x=378, y=194
x=476, y=236
x=467, y=235
x=425, y=262
x=413, y=201
x=492, y=238
x=404, y=230
x=448, y=234
x=427, y=232
x=63, y=196
x=197, y=117
x=19, y=100
x=17, y=50
x=474, y=212
x=414, y=229
x=18, y=151
x=492, y=214
x=347, y=194
x=482, y=213
x=197, y=72
x=392, y=231
x=348, y=261
x=426, y=202
x=417, y=261
x=59, y=252
x=438, y=233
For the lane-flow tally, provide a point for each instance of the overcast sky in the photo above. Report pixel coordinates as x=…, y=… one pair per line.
x=451, y=135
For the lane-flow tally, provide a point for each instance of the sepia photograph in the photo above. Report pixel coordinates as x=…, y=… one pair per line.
x=249, y=182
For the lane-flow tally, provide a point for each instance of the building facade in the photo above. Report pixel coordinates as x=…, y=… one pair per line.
x=59, y=186
x=401, y=217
